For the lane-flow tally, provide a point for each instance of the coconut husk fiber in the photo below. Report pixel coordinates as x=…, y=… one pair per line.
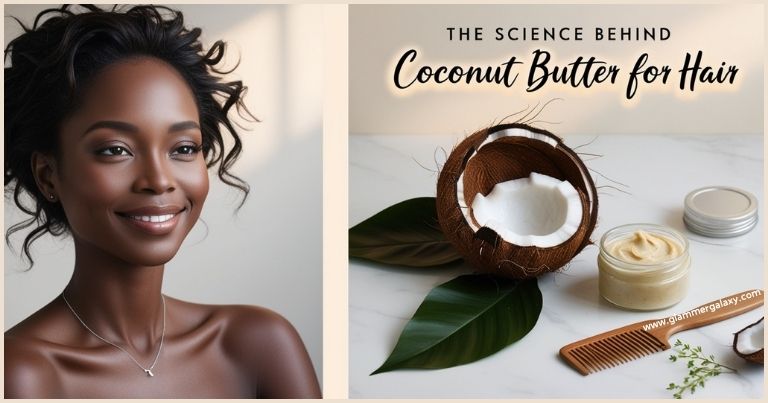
x=504, y=159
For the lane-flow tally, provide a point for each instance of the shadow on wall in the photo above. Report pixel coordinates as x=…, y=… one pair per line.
x=273, y=245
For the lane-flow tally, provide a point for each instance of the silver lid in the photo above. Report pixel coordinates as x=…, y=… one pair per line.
x=720, y=211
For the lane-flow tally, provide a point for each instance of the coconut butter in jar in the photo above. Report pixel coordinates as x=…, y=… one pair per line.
x=643, y=266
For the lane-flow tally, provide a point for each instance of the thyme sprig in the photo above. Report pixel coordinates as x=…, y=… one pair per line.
x=700, y=368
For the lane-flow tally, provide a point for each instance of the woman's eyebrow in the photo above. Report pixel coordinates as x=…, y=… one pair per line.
x=129, y=128
x=186, y=125
x=112, y=124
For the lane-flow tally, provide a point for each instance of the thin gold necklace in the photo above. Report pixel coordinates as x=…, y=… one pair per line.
x=147, y=370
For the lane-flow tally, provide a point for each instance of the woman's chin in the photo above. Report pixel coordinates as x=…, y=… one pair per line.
x=150, y=256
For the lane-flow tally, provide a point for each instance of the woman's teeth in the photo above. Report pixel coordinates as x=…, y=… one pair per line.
x=153, y=218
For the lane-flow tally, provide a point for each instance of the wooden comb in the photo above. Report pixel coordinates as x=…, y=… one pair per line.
x=637, y=340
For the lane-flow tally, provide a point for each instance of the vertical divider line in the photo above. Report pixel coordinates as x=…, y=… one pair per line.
x=335, y=203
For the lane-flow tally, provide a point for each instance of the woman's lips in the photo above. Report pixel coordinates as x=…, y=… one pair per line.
x=153, y=221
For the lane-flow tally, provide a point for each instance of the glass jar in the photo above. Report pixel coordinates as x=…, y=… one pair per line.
x=638, y=284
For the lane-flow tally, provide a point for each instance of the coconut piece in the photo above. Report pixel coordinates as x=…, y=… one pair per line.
x=536, y=201
x=748, y=342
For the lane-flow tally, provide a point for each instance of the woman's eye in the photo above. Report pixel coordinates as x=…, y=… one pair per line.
x=186, y=150
x=114, y=151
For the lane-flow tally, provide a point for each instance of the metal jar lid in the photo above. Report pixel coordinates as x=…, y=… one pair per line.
x=720, y=211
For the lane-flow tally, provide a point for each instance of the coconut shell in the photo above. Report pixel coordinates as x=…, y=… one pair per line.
x=757, y=356
x=504, y=159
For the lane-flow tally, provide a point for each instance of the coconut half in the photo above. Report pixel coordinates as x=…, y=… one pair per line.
x=748, y=342
x=515, y=201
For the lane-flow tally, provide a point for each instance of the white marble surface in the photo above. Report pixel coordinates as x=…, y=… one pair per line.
x=659, y=171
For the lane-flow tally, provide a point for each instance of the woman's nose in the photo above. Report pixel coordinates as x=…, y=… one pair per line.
x=154, y=176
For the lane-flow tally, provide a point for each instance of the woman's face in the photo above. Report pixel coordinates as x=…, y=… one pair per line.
x=131, y=176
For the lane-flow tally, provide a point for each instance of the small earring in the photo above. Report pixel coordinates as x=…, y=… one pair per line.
x=51, y=196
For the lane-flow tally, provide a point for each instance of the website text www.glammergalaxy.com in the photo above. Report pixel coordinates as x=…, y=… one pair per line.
x=713, y=307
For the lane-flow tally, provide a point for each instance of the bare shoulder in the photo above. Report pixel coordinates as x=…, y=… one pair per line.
x=267, y=346
x=247, y=332
x=250, y=326
x=231, y=319
x=29, y=372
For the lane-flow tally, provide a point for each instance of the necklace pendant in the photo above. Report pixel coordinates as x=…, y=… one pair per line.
x=149, y=372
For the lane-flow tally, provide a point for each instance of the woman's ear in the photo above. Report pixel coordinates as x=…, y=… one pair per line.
x=44, y=171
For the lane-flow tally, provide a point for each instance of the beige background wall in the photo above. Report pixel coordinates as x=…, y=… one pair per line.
x=378, y=36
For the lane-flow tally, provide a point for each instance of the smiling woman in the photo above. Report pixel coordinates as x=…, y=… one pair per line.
x=112, y=119
x=131, y=177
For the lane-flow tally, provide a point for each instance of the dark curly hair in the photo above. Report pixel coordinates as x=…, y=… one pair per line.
x=52, y=62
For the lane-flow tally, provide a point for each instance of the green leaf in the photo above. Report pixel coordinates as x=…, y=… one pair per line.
x=464, y=320
x=406, y=234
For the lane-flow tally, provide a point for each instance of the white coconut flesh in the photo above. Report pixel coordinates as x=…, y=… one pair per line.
x=750, y=340
x=535, y=211
x=539, y=211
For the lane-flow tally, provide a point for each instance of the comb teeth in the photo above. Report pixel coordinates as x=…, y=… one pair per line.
x=610, y=351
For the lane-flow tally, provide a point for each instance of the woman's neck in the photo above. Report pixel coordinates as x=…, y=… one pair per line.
x=119, y=301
